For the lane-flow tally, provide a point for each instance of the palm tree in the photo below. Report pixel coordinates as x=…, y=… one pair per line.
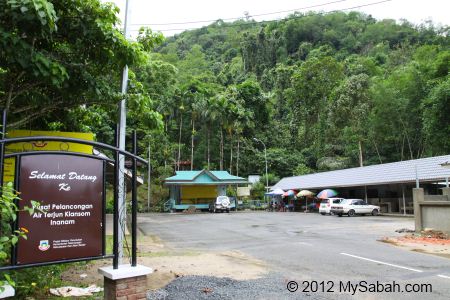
x=198, y=105
x=210, y=112
x=221, y=107
x=181, y=108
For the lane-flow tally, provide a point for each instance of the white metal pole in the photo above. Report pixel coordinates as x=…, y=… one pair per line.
x=122, y=129
x=265, y=157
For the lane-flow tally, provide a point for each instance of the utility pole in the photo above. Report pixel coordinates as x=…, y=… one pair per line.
x=122, y=129
x=148, y=178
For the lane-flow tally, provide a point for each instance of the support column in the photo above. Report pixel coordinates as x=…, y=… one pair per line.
x=446, y=192
x=126, y=282
x=365, y=194
x=404, y=200
x=418, y=197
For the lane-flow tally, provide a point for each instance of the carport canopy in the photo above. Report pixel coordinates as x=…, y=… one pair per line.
x=428, y=169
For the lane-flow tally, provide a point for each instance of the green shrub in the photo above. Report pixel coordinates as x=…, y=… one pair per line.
x=37, y=281
x=10, y=236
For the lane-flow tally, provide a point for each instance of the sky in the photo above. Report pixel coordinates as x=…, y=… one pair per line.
x=159, y=14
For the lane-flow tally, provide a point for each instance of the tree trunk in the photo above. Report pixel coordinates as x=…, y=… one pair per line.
x=10, y=92
x=208, y=141
x=407, y=139
x=35, y=115
x=192, y=144
x=179, y=143
x=360, y=154
x=409, y=146
x=231, y=152
x=403, y=147
x=237, y=155
x=376, y=149
x=221, y=149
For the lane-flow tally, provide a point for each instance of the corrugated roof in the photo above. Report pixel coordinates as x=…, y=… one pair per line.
x=428, y=169
x=184, y=175
x=204, y=177
x=224, y=175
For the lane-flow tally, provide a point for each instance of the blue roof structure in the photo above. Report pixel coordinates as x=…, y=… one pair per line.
x=204, y=177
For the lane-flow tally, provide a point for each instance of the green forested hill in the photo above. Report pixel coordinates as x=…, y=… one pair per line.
x=321, y=91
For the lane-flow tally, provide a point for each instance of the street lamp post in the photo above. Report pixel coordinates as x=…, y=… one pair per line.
x=120, y=231
x=265, y=157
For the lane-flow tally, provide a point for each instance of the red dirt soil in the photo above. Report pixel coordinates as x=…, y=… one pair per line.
x=429, y=237
x=422, y=240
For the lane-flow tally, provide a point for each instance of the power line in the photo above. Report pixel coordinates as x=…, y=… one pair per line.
x=237, y=18
x=262, y=22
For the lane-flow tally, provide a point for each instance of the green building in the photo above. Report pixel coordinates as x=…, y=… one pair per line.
x=198, y=188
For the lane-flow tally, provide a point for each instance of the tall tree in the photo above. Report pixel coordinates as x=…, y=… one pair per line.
x=60, y=54
x=350, y=110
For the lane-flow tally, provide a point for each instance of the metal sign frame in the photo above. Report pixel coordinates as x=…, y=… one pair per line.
x=115, y=149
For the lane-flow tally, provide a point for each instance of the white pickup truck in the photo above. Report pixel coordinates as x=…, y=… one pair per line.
x=353, y=207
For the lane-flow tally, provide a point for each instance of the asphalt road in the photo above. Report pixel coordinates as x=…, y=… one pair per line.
x=309, y=247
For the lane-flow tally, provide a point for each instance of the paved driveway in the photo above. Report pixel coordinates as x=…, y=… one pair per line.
x=301, y=247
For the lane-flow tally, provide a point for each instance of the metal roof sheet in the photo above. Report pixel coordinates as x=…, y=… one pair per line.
x=428, y=169
x=224, y=175
x=204, y=177
x=184, y=175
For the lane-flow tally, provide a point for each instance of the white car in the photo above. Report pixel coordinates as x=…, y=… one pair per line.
x=325, y=205
x=222, y=203
x=353, y=207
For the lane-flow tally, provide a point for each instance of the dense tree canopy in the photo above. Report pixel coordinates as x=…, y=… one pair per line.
x=58, y=55
x=322, y=91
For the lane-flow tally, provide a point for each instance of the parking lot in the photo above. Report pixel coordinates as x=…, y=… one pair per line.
x=309, y=247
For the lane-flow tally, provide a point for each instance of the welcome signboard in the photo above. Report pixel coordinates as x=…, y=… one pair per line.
x=70, y=190
x=43, y=146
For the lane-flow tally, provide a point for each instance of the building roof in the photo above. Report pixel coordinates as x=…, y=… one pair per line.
x=428, y=169
x=204, y=177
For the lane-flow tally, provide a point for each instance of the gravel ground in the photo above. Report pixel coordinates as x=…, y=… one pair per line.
x=207, y=287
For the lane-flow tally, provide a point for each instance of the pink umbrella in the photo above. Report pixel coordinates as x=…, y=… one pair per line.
x=328, y=193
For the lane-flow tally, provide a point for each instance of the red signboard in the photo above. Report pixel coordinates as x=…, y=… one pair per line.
x=70, y=190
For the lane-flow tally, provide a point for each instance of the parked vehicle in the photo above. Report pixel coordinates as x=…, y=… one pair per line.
x=222, y=203
x=325, y=205
x=353, y=207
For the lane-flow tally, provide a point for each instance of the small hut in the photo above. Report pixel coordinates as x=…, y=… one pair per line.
x=198, y=188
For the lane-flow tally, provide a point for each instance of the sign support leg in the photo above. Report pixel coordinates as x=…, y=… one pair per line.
x=116, y=205
x=134, y=206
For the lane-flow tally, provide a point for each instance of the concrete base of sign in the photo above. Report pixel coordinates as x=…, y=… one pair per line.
x=8, y=291
x=126, y=282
